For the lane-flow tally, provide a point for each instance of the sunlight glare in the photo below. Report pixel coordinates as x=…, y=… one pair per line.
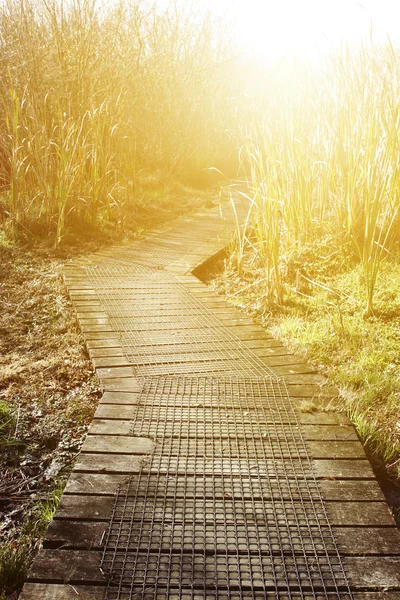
x=307, y=28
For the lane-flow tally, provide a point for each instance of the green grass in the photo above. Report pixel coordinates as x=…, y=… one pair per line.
x=323, y=319
x=7, y=424
x=16, y=555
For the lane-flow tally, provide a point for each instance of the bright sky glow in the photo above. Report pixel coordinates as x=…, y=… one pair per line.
x=307, y=28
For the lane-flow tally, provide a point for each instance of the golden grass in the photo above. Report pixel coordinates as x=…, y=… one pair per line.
x=92, y=98
x=322, y=156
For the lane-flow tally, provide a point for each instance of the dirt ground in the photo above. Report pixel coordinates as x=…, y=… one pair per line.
x=48, y=394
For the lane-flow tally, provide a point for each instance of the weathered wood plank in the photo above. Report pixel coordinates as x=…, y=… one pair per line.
x=271, y=348
x=287, y=360
x=352, y=541
x=112, y=361
x=310, y=432
x=84, y=307
x=89, y=315
x=108, y=463
x=125, y=444
x=342, y=449
x=335, y=490
x=129, y=398
x=98, y=508
x=128, y=384
x=100, y=336
x=122, y=463
x=107, y=328
x=44, y=591
x=92, y=320
x=303, y=390
x=377, y=571
x=124, y=410
x=67, y=566
x=308, y=379
x=115, y=372
x=343, y=469
x=106, y=352
x=110, y=342
x=79, y=566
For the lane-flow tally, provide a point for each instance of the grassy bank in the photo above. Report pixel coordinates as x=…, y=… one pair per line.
x=323, y=318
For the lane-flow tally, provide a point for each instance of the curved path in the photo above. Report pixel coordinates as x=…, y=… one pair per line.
x=202, y=476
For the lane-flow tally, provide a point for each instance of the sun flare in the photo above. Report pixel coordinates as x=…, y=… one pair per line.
x=308, y=28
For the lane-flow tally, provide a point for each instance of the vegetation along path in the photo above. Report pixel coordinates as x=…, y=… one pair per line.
x=203, y=474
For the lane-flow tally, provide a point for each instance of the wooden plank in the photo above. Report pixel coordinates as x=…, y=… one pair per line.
x=128, y=384
x=131, y=398
x=304, y=414
x=250, y=334
x=122, y=463
x=107, y=328
x=67, y=566
x=110, y=342
x=310, y=432
x=113, y=361
x=46, y=591
x=108, y=463
x=342, y=449
x=87, y=307
x=352, y=541
x=94, y=314
x=368, y=572
x=122, y=444
x=302, y=390
x=290, y=369
x=123, y=410
x=334, y=490
x=329, y=432
x=98, y=336
x=88, y=294
x=106, y=352
x=286, y=360
x=311, y=379
x=79, y=286
x=368, y=541
x=343, y=469
x=79, y=566
x=348, y=490
x=268, y=341
x=99, y=508
x=180, y=347
x=93, y=483
x=115, y=372
x=92, y=320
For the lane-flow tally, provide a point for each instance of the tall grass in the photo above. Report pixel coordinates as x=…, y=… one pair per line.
x=322, y=156
x=93, y=95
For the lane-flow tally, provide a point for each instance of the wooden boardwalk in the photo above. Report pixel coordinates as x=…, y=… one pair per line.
x=201, y=475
